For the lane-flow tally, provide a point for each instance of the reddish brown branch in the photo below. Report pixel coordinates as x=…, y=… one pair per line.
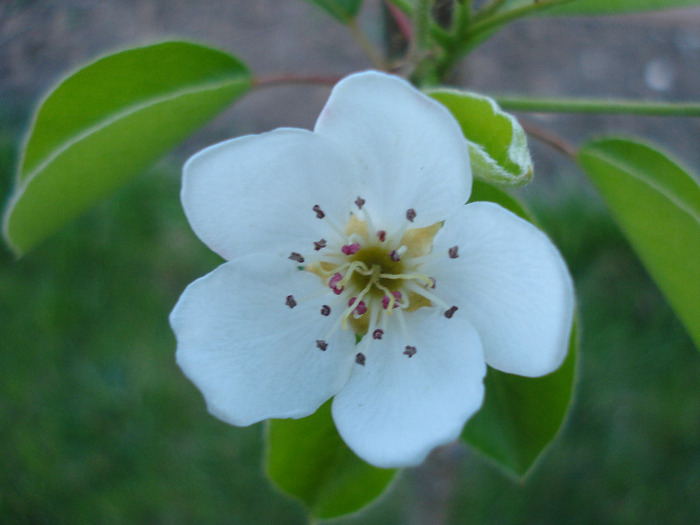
x=291, y=79
x=551, y=139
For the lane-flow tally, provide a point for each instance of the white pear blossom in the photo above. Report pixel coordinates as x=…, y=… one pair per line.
x=355, y=271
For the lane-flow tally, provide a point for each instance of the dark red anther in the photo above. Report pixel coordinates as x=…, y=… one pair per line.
x=378, y=333
x=319, y=244
x=325, y=310
x=410, y=214
x=453, y=252
x=361, y=307
x=394, y=256
x=450, y=312
x=381, y=234
x=386, y=299
x=337, y=277
x=410, y=351
x=321, y=345
x=351, y=249
x=360, y=202
x=294, y=256
x=360, y=359
x=319, y=211
x=290, y=301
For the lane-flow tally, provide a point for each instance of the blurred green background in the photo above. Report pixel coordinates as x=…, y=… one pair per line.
x=98, y=425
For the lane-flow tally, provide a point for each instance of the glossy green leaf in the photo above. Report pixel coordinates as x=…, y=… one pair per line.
x=520, y=415
x=497, y=142
x=656, y=202
x=605, y=7
x=307, y=459
x=108, y=121
x=342, y=10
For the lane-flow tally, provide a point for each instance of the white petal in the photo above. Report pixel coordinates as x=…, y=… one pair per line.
x=394, y=410
x=256, y=193
x=411, y=151
x=512, y=284
x=252, y=356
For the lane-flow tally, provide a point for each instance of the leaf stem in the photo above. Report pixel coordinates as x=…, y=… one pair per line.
x=489, y=9
x=608, y=106
x=493, y=22
x=291, y=79
x=367, y=47
x=421, y=23
x=550, y=139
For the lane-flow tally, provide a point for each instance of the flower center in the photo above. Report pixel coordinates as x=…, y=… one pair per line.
x=376, y=275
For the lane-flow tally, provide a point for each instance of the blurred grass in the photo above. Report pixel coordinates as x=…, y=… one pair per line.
x=98, y=425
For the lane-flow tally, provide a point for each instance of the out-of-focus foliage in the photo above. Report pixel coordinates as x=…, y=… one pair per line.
x=342, y=10
x=605, y=7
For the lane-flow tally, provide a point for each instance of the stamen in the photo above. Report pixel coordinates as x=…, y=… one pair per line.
x=290, y=301
x=332, y=284
x=381, y=234
x=398, y=236
x=414, y=276
x=391, y=302
x=320, y=214
x=325, y=310
x=453, y=252
x=395, y=255
x=359, y=202
x=319, y=211
x=359, y=297
x=336, y=325
x=368, y=219
x=450, y=312
x=384, y=320
x=410, y=351
x=351, y=249
x=402, y=324
x=378, y=333
x=321, y=345
x=336, y=259
x=294, y=256
x=355, y=266
x=361, y=307
x=360, y=359
x=430, y=296
x=319, y=244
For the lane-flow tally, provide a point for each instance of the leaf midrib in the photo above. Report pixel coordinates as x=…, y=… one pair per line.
x=104, y=122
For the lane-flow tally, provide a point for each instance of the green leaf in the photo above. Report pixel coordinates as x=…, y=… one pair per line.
x=497, y=142
x=656, y=202
x=307, y=459
x=107, y=122
x=520, y=415
x=605, y=7
x=342, y=10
